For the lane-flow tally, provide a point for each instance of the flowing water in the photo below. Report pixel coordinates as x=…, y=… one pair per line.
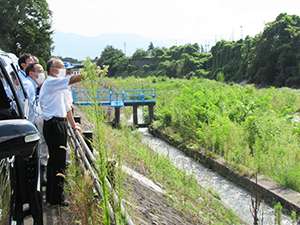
x=233, y=195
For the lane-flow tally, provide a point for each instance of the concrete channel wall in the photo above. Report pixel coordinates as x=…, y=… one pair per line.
x=269, y=190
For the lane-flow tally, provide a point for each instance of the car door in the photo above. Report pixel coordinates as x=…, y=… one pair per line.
x=18, y=136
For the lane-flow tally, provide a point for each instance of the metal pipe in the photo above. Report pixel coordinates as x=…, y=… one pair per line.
x=92, y=159
x=72, y=140
x=96, y=181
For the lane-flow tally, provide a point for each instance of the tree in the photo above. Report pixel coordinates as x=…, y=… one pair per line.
x=139, y=54
x=114, y=58
x=151, y=46
x=150, y=49
x=157, y=52
x=230, y=58
x=274, y=57
x=169, y=66
x=26, y=27
x=190, y=49
x=69, y=59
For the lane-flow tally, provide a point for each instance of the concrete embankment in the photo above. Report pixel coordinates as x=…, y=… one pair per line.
x=269, y=190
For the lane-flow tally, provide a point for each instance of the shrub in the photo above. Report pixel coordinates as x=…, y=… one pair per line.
x=220, y=77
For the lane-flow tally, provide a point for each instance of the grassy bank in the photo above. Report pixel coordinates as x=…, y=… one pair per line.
x=126, y=147
x=183, y=192
x=254, y=128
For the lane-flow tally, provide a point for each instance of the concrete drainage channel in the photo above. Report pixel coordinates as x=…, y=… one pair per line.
x=232, y=194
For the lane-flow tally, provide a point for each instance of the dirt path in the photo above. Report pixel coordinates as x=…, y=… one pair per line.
x=52, y=215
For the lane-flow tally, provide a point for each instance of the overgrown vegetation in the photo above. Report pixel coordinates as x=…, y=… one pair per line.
x=271, y=58
x=5, y=197
x=254, y=128
x=178, y=61
x=183, y=192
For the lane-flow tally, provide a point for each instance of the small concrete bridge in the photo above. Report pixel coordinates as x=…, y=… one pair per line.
x=117, y=99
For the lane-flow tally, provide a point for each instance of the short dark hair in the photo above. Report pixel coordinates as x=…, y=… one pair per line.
x=51, y=63
x=23, y=58
x=30, y=67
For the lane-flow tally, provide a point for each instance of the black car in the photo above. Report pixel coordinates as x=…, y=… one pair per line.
x=19, y=164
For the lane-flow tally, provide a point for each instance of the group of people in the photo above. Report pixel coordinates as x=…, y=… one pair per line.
x=50, y=109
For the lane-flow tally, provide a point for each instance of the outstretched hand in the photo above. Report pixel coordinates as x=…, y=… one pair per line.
x=101, y=72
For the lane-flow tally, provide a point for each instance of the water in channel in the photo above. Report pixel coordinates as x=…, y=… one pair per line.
x=233, y=195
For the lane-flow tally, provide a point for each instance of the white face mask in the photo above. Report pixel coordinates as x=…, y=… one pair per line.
x=18, y=87
x=41, y=78
x=61, y=73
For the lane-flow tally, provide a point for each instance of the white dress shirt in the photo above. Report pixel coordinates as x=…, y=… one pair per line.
x=68, y=95
x=52, y=98
x=30, y=88
x=22, y=75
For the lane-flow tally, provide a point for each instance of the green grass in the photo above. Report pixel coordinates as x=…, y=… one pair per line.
x=254, y=128
x=183, y=191
x=5, y=196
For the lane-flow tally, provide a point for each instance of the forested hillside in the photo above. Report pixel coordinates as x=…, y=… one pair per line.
x=271, y=58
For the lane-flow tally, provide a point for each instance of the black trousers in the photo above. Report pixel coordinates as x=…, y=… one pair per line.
x=55, y=133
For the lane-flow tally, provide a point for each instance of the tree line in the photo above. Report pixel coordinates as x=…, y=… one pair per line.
x=177, y=61
x=271, y=58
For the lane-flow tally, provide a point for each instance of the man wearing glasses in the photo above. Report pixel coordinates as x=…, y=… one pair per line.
x=56, y=114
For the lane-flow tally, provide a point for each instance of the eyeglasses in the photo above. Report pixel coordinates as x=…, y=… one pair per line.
x=61, y=67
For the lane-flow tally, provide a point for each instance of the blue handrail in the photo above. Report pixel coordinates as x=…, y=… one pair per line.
x=115, y=98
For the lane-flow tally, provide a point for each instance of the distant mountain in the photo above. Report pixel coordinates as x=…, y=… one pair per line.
x=79, y=46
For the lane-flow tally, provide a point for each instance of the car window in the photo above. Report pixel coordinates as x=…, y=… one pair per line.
x=12, y=69
x=8, y=104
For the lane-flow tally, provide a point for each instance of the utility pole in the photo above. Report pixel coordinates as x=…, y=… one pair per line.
x=241, y=31
x=125, y=48
x=208, y=46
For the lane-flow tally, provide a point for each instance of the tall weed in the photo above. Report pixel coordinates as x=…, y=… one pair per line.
x=255, y=128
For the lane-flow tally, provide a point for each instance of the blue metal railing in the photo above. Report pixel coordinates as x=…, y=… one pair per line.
x=115, y=98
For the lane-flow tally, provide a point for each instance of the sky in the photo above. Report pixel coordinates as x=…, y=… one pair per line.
x=180, y=20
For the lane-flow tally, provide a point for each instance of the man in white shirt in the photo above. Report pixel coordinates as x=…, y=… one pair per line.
x=35, y=75
x=55, y=111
